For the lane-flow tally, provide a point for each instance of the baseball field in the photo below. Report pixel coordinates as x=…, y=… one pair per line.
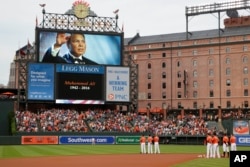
x=107, y=155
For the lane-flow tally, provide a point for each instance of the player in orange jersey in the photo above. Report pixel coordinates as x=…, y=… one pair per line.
x=233, y=143
x=143, y=144
x=209, y=145
x=156, y=144
x=215, y=143
x=225, y=145
x=150, y=144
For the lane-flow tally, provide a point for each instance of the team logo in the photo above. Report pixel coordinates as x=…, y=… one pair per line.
x=111, y=96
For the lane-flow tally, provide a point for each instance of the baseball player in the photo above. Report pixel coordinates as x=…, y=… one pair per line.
x=150, y=144
x=225, y=145
x=156, y=144
x=143, y=144
x=209, y=145
x=215, y=143
x=233, y=143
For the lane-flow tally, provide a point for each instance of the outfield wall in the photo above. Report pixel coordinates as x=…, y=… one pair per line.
x=86, y=138
x=106, y=138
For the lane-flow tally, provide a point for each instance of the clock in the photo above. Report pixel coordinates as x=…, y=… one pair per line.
x=81, y=10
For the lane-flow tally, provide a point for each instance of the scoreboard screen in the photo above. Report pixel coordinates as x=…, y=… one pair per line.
x=102, y=48
x=79, y=84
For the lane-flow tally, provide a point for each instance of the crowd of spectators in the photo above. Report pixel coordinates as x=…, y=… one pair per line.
x=99, y=120
x=51, y=120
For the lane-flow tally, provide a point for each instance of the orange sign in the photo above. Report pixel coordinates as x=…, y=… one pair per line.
x=39, y=139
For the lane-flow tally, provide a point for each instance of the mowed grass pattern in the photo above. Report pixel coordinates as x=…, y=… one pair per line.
x=18, y=151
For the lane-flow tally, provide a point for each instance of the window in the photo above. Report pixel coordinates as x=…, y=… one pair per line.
x=178, y=63
x=195, y=63
x=195, y=52
x=244, y=38
x=149, y=75
x=210, y=62
x=164, y=95
x=164, y=54
x=245, y=48
x=195, y=105
x=179, y=104
x=149, y=56
x=227, y=60
x=195, y=73
x=211, y=104
x=211, y=72
x=179, y=53
x=163, y=65
x=164, y=105
x=245, y=81
x=195, y=94
x=163, y=45
x=149, y=95
x=228, y=71
x=164, y=75
x=228, y=50
x=195, y=84
x=149, y=105
x=211, y=93
x=245, y=59
x=246, y=104
x=211, y=83
x=245, y=70
x=245, y=92
x=195, y=42
x=149, y=65
x=228, y=82
x=228, y=104
x=211, y=51
x=179, y=74
x=179, y=85
x=164, y=85
x=228, y=93
x=149, y=85
x=178, y=94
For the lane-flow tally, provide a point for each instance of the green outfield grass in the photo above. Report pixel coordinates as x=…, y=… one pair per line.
x=17, y=151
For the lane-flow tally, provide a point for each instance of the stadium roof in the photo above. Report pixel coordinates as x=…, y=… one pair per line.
x=195, y=35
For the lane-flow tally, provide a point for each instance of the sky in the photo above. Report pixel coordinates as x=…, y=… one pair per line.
x=146, y=17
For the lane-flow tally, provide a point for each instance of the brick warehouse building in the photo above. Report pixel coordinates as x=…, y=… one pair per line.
x=205, y=71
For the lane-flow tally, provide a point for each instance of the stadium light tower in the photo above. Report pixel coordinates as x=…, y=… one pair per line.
x=230, y=8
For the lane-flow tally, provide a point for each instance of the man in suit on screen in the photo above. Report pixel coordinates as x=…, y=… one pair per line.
x=77, y=47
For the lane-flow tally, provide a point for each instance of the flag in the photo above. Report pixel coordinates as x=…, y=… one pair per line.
x=22, y=53
x=36, y=21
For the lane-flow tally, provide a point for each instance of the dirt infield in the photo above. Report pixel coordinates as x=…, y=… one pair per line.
x=133, y=160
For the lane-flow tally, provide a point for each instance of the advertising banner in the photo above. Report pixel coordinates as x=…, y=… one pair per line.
x=40, y=81
x=243, y=140
x=241, y=127
x=127, y=139
x=117, y=84
x=39, y=140
x=86, y=140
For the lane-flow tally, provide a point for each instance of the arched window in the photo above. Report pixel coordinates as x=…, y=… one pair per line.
x=149, y=65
